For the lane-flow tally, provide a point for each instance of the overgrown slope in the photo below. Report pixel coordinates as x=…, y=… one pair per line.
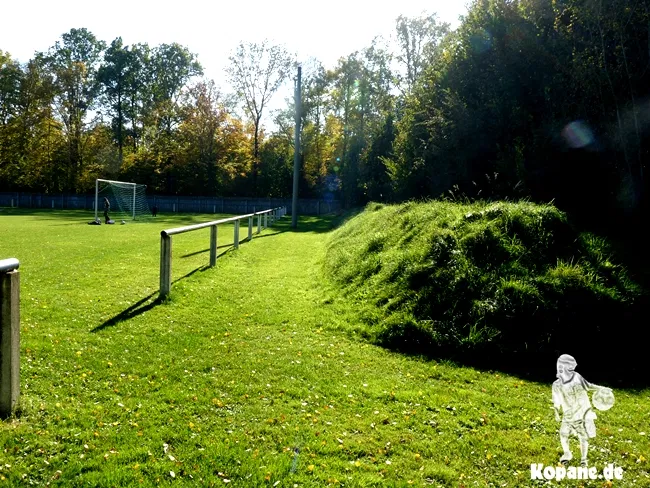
x=498, y=284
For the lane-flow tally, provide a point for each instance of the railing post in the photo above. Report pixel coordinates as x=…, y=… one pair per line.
x=259, y=223
x=165, y=264
x=266, y=219
x=250, y=228
x=236, y=243
x=9, y=336
x=213, y=246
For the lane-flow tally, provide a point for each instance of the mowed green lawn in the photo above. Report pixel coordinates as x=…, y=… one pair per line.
x=251, y=375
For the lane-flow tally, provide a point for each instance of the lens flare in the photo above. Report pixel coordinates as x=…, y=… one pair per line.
x=481, y=41
x=577, y=134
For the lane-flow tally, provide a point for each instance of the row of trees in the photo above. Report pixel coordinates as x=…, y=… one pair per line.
x=85, y=109
x=550, y=96
x=526, y=97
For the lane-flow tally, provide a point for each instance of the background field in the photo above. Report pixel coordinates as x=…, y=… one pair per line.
x=252, y=373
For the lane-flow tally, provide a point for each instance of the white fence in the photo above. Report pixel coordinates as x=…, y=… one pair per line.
x=9, y=336
x=270, y=216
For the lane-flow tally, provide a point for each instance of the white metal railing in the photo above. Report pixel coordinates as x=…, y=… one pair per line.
x=270, y=217
x=9, y=336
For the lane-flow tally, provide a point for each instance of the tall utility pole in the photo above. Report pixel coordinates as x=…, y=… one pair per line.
x=296, y=155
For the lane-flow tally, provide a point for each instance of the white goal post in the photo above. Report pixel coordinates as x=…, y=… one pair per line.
x=129, y=197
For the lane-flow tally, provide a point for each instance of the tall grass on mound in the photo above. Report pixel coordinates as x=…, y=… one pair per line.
x=486, y=282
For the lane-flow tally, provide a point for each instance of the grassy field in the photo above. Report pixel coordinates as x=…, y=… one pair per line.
x=253, y=373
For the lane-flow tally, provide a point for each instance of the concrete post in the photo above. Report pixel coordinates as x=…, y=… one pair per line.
x=250, y=228
x=9, y=336
x=213, y=246
x=165, y=264
x=236, y=243
x=259, y=223
x=266, y=220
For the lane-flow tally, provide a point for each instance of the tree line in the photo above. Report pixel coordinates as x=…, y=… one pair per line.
x=547, y=100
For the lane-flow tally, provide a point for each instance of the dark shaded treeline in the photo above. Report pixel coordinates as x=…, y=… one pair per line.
x=535, y=98
x=548, y=100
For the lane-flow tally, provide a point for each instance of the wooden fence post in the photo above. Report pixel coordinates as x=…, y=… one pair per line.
x=259, y=223
x=9, y=336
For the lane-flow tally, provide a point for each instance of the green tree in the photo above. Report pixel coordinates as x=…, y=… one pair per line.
x=256, y=71
x=201, y=135
x=113, y=75
x=10, y=79
x=73, y=62
x=173, y=66
x=417, y=38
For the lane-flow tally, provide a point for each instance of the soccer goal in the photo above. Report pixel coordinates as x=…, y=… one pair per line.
x=127, y=199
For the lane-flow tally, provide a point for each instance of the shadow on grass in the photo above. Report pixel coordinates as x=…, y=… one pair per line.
x=134, y=310
x=231, y=246
x=318, y=225
x=81, y=216
x=148, y=302
x=611, y=355
x=189, y=255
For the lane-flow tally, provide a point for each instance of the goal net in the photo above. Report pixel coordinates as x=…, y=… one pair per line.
x=127, y=200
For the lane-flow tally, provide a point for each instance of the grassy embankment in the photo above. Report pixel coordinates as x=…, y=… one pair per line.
x=509, y=285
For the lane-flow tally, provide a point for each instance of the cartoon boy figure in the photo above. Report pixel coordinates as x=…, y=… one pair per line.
x=570, y=394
